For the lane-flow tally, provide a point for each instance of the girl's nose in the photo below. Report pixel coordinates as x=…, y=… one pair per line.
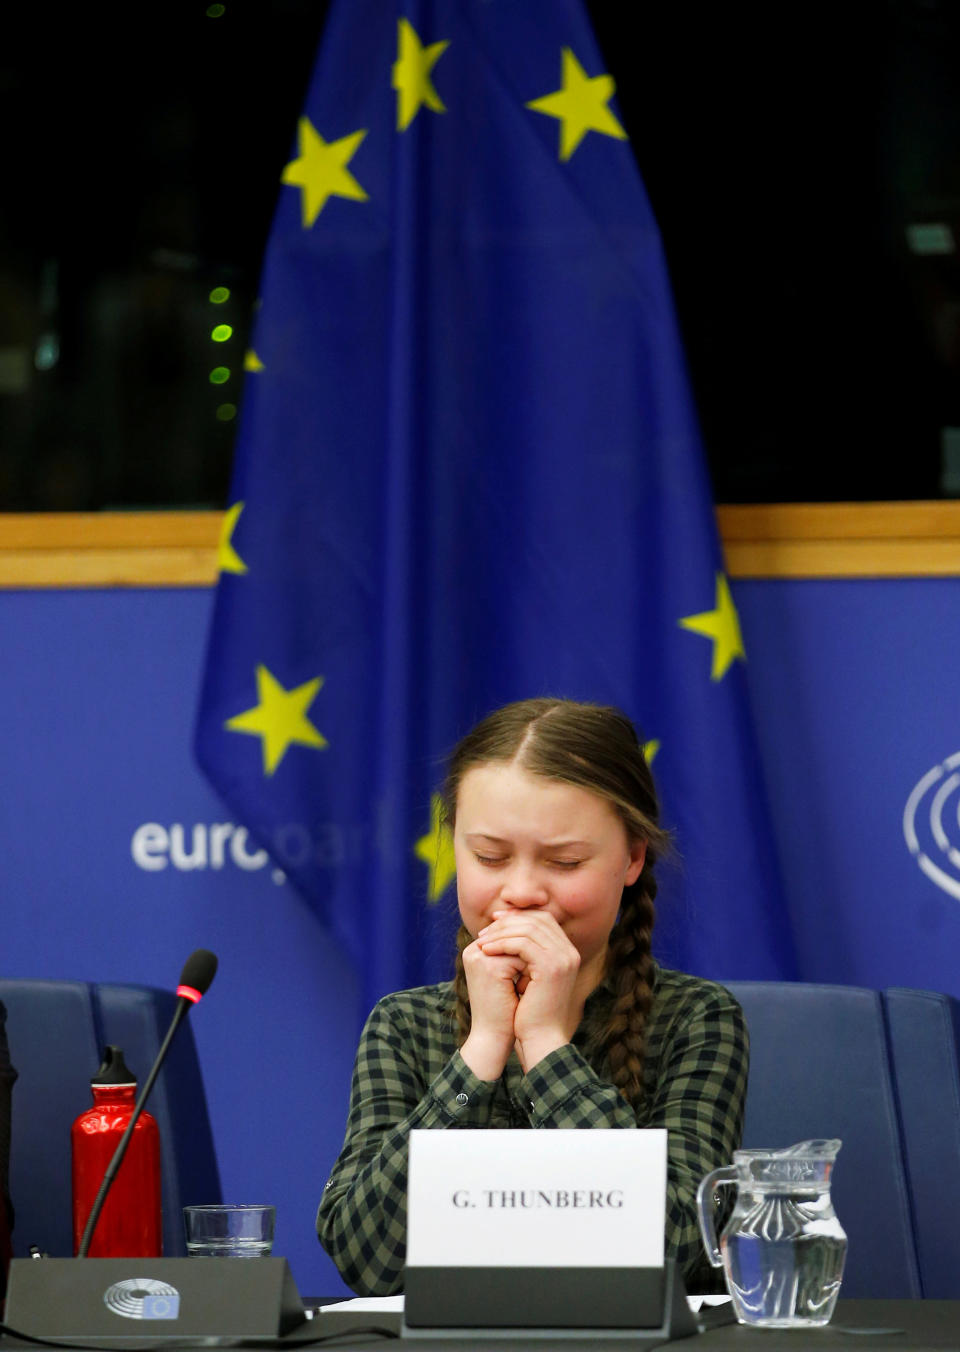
x=523, y=887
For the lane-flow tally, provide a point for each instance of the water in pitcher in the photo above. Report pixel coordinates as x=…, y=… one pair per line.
x=780, y=1283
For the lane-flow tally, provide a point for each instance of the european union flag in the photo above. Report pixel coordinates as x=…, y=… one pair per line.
x=468, y=471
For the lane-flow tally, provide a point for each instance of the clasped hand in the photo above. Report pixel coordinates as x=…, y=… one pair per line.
x=521, y=973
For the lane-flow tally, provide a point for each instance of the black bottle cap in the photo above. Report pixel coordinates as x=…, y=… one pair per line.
x=114, y=1069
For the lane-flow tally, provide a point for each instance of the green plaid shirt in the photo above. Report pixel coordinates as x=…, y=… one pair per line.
x=409, y=1073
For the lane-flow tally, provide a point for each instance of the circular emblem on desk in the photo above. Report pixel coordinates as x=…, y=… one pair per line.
x=142, y=1298
x=931, y=824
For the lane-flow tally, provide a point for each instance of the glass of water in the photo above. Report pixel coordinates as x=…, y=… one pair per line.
x=229, y=1230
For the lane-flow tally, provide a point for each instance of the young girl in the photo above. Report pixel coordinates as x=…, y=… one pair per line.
x=558, y=1016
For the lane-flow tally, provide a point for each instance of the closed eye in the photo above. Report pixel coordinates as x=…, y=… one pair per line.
x=489, y=860
x=567, y=864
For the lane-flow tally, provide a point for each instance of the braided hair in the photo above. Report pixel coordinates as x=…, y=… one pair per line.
x=592, y=747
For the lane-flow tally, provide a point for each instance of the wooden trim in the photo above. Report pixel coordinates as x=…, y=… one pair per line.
x=842, y=539
x=789, y=540
x=109, y=549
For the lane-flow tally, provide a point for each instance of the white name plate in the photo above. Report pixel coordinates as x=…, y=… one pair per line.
x=542, y=1199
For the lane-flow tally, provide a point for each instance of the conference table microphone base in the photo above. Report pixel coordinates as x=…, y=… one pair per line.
x=151, y=1300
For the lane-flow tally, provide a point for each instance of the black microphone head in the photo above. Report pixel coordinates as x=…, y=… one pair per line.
x=199, y=970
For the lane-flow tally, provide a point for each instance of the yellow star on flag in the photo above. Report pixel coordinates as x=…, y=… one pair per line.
x=251, y=362
x=436, y=851
x=411, y=74
x=723, y=626
x=650, y=749
x=228, y=560
x=321, y=170
x=280, y=718
x=580, y=105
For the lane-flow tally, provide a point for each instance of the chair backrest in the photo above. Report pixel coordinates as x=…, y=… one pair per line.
x=57, y=1031
x=820, y=1067
x=925, y=1042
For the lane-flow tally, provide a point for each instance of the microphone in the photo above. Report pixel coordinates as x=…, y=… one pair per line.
x=198, y=972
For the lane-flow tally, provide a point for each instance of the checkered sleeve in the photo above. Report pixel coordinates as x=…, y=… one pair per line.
x=563, y=1090
x=698, y=1054
x=408, y=1074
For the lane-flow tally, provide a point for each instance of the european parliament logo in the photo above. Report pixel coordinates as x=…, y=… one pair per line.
x=931, y=824
x=143, y=1298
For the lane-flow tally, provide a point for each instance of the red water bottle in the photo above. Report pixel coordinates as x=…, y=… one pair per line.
x=130, y=1222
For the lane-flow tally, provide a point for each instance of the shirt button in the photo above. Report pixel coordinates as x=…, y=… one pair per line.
x=462, y=1099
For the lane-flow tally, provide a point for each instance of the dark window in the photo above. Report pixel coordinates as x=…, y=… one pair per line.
x=803, y=162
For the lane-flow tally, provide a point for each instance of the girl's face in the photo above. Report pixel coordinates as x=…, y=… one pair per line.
x=522, y=841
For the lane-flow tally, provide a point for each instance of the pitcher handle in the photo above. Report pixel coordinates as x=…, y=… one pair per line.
x=705, y=1210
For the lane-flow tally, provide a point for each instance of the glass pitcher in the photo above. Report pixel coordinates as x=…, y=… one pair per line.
x=782, y=1250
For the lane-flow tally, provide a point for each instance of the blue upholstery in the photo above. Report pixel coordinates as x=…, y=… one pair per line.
x=820, y=1066
x=925, y=1043
x=56, y=1031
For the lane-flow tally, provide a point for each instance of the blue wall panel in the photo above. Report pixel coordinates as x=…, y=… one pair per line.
x=97, y=690
x=856, y=699
x=855, y=694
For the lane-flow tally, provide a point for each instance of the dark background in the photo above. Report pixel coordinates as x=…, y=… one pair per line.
x=790, y=152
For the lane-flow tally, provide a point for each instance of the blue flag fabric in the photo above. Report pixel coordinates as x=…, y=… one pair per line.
x=468, y=471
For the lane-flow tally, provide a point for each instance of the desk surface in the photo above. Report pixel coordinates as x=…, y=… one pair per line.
x=857, y=1326
x=913, y=1326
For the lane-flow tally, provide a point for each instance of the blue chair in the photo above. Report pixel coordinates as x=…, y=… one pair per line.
x=924, y=1032
x=57, y=1031
x=820, y=1067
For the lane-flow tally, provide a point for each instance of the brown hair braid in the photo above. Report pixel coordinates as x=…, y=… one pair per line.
x=596, y=748
x=630, y=973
